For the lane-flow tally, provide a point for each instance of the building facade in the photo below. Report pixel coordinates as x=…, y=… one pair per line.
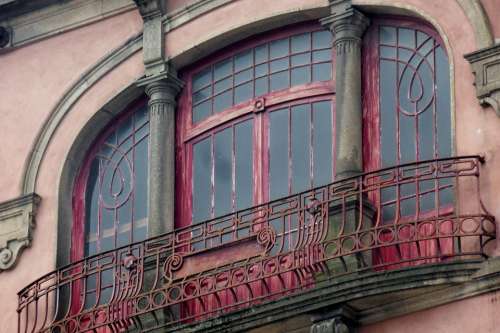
x=249, y=166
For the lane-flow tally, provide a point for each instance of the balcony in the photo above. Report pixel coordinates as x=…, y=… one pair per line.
x=426, y=215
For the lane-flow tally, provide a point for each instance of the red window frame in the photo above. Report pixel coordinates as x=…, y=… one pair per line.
x=188, y=132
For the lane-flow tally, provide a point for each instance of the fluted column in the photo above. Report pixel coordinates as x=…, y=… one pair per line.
x=161, y=91
x=347, y=25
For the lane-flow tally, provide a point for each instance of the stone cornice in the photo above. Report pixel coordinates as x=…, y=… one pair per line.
x=34, y=23
x=17, y=220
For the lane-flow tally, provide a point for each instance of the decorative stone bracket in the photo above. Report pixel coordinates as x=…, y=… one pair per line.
x=17, y=220
x=341, y=320
x=486, y=68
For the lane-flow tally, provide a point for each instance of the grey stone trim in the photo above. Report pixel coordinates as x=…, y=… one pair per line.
x=17, y=221
x=69, y=98
x=479, y=20
x=486, y=68
x=371, y=296
x=348, y=25
x=340, y=320
x=162, y=90
x=60, y=17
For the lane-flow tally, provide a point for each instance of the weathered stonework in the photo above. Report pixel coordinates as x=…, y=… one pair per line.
x=17, y=220
x=161, y=90
x=153, y=36
x=347, y=25
x=486, y=67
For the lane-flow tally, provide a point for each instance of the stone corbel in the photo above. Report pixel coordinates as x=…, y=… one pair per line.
x=17, y=220
x=340, y=320
x=486, y=68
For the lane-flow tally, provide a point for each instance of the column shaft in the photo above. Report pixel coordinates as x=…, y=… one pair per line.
x=162, y=154
x=348, y=28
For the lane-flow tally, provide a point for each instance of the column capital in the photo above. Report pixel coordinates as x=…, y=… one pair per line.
x=345, y=21
x=161, y=88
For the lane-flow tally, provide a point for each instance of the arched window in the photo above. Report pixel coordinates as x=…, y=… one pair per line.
x=407, y=118
x=110, y=198
x=257, y=123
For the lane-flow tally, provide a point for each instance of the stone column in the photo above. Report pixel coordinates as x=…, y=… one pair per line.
x=348, y=25
x=161, y=90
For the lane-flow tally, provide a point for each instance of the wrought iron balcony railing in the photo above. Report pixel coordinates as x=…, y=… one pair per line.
x=412, y=214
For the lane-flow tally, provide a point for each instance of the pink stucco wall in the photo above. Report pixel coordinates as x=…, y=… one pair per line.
x=474, y=315
x=34, y=78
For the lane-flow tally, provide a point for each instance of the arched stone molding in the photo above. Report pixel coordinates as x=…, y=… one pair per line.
x=480, y=22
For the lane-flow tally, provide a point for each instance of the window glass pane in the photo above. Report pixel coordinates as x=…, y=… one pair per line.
x=301, y=75
x=243, y=76
x=92, y=198
x=278, y=153
x=322, y=72
x=261, y=54
x=407, y=137
x=202, y=95
x=261, y=70
x=261, y=86
x=223, y=69
x=202, y=111
x=322, y=39
x=223, y=171
x=301, y=59
x=323, y=55
x=243, y=60
x=223, y=101
x=406, y=37
x=300, y=147
x=443, y=111
x=244, y=164
x=388, y=35
x=202, y=79
x=388, y=52
x=279, y=65
x=279, y=81
x=202, y=187
x=300, y=43
x=223, y=85
x=243, y=93
x=322, y=143
x=141, y=179
x=388, y=113
x=278, y=48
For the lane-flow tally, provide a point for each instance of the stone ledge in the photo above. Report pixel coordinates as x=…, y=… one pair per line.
x=17, y=220
x=372, y=296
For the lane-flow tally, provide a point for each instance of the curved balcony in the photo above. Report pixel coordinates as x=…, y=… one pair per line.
x=396, y=218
